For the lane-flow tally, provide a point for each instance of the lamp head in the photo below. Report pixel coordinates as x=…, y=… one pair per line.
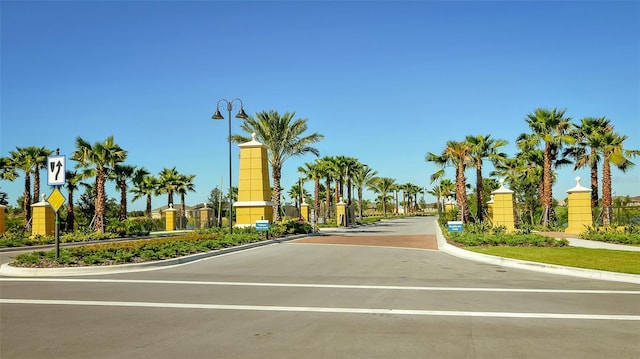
x=242, y=114
x=217, y=115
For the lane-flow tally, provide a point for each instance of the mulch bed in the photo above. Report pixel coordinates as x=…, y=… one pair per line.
x=414, y=241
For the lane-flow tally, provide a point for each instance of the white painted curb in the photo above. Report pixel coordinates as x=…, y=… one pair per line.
x=12, y=271
x=532, y=266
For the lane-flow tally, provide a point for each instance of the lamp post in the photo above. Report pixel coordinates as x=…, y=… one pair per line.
x=218, y=116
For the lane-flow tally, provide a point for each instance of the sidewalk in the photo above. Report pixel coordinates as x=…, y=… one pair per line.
x=574, y=241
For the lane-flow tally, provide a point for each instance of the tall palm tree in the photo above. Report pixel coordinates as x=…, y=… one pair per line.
x=383, y=186
x=484, y=147
x=72, y=181
x=102, y=157
x=22, y=160
x=326, y=167
x=284, y=138
x=552, y=128
x=168, y=182
x=456, y=154
x=121, y=174
x=39, y=155
x=362, y=177
x=313, y=172
x=441, y=191
x=613, y=153
x=145, y=187
x=185, y=184
x=587, y=149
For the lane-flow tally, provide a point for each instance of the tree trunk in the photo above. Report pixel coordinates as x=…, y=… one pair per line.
x=26, y=200
x=594, y=186
x=71, y=217
x=328, y=199
x=36, y=185
x=123, y=204
x=148, y=209
x=479, y=193
x=461, y=195
x=316, y=201
x=100, y=200
x=276, y=193
x=547, y=179
x=606, y=193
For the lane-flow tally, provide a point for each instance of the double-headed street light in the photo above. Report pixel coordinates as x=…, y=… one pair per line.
x=218, y=116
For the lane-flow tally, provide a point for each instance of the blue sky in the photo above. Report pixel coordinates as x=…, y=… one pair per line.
x=384, y=82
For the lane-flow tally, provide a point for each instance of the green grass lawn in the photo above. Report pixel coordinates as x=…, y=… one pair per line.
x=600, y=259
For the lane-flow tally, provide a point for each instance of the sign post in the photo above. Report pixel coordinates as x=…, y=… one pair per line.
x=263, y=225
x=455, y=226
x=56, y=177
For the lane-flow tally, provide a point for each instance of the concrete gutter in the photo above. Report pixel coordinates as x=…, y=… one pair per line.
x=533, y=266
x=12, y=271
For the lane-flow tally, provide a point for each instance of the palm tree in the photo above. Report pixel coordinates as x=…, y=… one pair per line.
x=587, y=149
x=145, y=187
x=101, y=157
x=552, y=128
x=362, y=177
x=284, y=138
x=312, y=171
x=21, y=160
x=184, y=185
x=168, y=183
x=326, y=167
x=614, y=153
x=72, y=180
x=441, y=191
x=484, y=147
x=121, y=174
x=39, y=155
x=382, y=186
x=458, y=155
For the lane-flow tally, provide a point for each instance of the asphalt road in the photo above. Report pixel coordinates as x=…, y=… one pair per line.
x=301, y=300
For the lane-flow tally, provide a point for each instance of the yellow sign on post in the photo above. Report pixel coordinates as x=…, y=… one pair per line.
x=56, y=200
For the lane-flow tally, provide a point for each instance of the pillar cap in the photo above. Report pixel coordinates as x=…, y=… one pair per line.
x=253, y=143
x=578, y=187
x=502, y=188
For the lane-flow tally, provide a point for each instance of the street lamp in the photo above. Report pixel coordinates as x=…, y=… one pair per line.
x=218, y=116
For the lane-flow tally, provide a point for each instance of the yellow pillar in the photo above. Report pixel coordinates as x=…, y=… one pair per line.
x=205, y=216
x=341, y=213
x=579, y=208
x=170, y=218
x=42, y=219
x=305, y=210
x=3, y=224
x=503, y=207
x=254, y=189
x=490, y=208
x=449, y=206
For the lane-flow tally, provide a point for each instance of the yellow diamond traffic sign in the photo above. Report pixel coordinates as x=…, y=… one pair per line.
x=56, y=199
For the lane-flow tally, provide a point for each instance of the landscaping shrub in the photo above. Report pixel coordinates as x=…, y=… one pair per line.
x=629, y=235
x=138, y=250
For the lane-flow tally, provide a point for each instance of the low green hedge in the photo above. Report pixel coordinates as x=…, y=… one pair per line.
x=135, y=251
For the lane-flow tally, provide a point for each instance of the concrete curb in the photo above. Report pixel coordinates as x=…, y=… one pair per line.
x=533, y=266
x=11, y=271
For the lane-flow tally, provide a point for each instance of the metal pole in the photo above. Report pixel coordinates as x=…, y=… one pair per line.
x=230, y=189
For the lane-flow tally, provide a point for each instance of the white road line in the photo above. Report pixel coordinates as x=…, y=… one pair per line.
x=325, y=310
x=330, y=286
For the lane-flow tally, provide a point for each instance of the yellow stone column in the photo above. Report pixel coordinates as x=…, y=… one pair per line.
x=579, y=208
x=503, y=207
x=254, y=189
x=341, y=213
x=3, y=224
x=42, y=219
x=490, y=208
x=305, y=210
x=205, y=216
x=170, y=218
x=449, y=206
